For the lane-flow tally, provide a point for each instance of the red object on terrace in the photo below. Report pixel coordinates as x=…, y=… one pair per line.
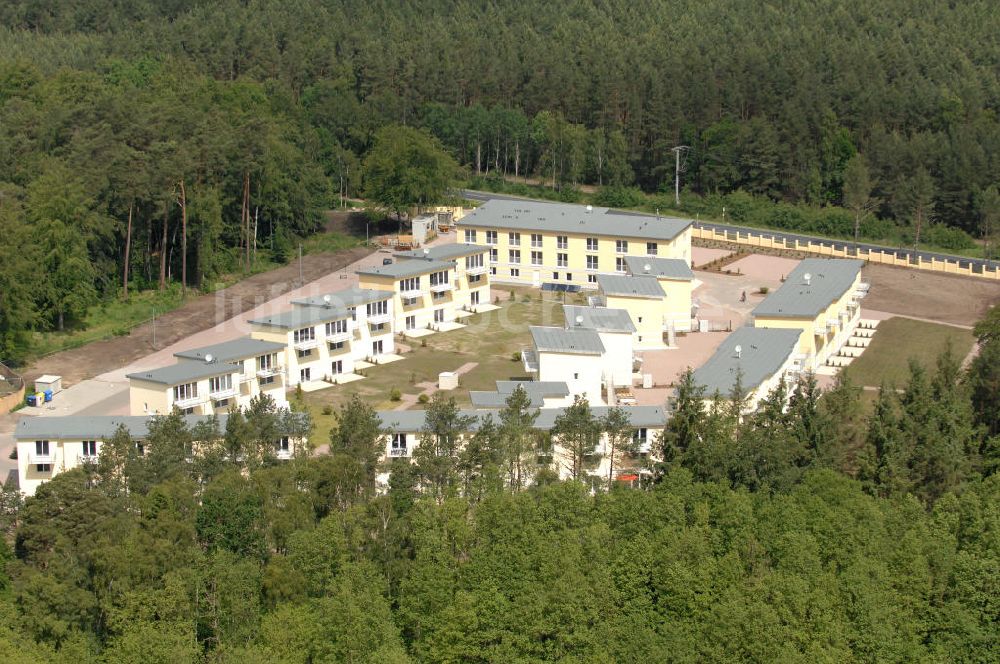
x=627, y=478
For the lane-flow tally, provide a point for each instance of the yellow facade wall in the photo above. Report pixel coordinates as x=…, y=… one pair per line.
x=145, y=397
x=646, y=315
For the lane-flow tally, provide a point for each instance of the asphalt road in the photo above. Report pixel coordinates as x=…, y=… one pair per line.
x=978, y=264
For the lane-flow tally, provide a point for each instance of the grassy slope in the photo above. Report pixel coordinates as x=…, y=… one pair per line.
x=898, y=340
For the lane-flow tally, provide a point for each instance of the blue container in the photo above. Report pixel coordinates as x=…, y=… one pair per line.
x=48, y=395
x=32, y=400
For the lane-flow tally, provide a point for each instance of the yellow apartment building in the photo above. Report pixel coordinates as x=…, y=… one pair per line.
x=194, y=388
x=644, y=300
x=677, y=281
x=534, y=244
x=433, y=288
x=262, y=366
x=821, y=299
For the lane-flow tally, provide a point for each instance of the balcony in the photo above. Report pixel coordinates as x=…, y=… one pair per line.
x=220, y=395
x=478, y=269
x=411, y=293
x=337, y=337
x=305, y=344
x=190, y=402
x=861, y=291
x=441, y=287
x=530, y=359
x=819, y=330
x=399, y=452
x=48, y=457
x=267, y=372
x=376, y=319
x=283, y=454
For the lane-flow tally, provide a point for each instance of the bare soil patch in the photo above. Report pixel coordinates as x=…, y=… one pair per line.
x=940, y=297
x=199, y=313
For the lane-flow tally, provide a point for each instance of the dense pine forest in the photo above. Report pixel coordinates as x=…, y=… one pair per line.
x=183, y=139
x=825, y=532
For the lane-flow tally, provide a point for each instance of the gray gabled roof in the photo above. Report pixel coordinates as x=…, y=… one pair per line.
x=620, y=285
x=661, y=268
x=185, y=372
x=404, y=269
x=829, y=279
x=412, y=421
x=600, y=319
x=537, y=392
x=95, y=427
x=763, y=351
x=443, y=252
x=300, y=317
x=560, y=340
x=350, y=297
x=235, y=349
x=521, y=215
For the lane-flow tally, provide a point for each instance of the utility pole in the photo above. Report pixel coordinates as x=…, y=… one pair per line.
x=301, y=279
x=677, y=172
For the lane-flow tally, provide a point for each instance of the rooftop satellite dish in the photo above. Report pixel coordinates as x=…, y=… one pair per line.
x=739, y=350
x=579, y=320
x=326, y=299
x=647, y=267
x=590, y=208
x=426, y=251
x=209, y=358
x=808, y=277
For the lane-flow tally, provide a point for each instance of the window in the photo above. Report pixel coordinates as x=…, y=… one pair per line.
x=409, y=301
x=90, y=448
x=336, y=327
x=411, y=284
x=562, y=260
x=640, y=319
x=439, y=315
x=470, y=236
x=475, y=279
x=591, y=262
x=639, y=435
x=439, y=278
x=378, y=328
x=493, y=271
x=536, y=240
x=398, y=445
x=304, y=334
x=619, y=264
x=377, y=347
x=650, y=248
x=439, y=295
x=140, y=448
x=562, y=242
x=284, y=445
x=491, y=237
x=514, y=272
x=591, y=244
x=621, y=246
x=514, y=239
x=569, y=276
x=305, y=375
x=185, y=391
x=411, y=322
x=514, y=255
x=266, y=362
x=354, y=313
x=337, y=367
x=472, y=262
x=591, y=278
x=43, y=467
x=265, y=380
x=42, y=447
x=576, y=376
x=494, y=255
x=220, y=383
x=377, y=308
x=303, y=353
x=536, y=258
x=474, y=297
x=555, y=276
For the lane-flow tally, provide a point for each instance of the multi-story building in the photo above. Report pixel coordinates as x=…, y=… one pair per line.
x=404, y=430
x=615, y=329
x=541, y=394
x=533, y=243
x=262, y=366
x=429, y=293
x=821, y=298
x=326, y=341
x=573, y=356
x=644, y=300
x=47, y=446
x=759, y=358
x=677, y=281
x=194, y=388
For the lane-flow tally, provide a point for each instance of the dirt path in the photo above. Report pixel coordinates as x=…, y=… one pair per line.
x=198, y=313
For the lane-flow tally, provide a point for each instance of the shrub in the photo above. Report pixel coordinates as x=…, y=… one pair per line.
x=515, y=356
x=764, y=290
x=619, y=197
x=423, y=343
x=395, y=394
x=423, y=398
x=328, y=409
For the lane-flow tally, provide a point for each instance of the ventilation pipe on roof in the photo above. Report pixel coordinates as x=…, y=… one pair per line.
x=739, y=351
x=808, y=277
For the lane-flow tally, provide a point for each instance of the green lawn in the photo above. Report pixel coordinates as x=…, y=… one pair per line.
x=899, y=339
x=489, y=339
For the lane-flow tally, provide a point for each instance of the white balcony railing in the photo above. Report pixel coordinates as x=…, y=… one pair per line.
x=337, y=337
x=47, y=457
x=378, y=319
x=305, y=344
x=399, y=452
x=219, y=395
x=441, y=287
x=479, y=269
x=411, y=293
x=190, y=402
x=819, y=330
x=284, y=455
x=270, y=371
